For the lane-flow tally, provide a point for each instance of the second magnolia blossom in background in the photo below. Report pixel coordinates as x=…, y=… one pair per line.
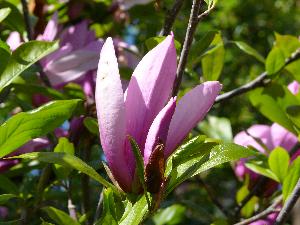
x=145, y=111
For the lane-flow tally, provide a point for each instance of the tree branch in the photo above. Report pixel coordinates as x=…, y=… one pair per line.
x=263, y=214
x=288, y=206
x=259, y=81
x=27, y=19
x=192, y=25
x=170, y=17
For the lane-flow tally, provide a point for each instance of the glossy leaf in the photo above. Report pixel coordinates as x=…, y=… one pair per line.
x=218, y=155
x=136, y=213
x=212, y=62
x=279, y=162
x=59, y=216
x=275, y=61
x=4, y=12
x=249, y=50
x=291, y=179
x=109, y=209
x=174, y=214
x=68, y=161
x=23, y=57
x=25, y=126
x=273, y=102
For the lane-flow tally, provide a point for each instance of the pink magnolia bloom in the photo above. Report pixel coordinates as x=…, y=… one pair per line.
x=145, y=111
x=271, y=136
x=267, y=221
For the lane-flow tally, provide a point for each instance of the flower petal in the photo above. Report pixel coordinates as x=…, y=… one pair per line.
x=159, y=129
x=51, y=29
x=282, y=137
x=191, y=109
x=111, y=114
x=149, y=89
x=262, y=132
x=294, y=87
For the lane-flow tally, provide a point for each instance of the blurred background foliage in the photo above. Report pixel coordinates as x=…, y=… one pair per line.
x=253, y=22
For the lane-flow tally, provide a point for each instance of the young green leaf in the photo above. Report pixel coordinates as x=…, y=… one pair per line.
x=174, y=214
x=59, y=217
x=68, y=161
x=25, y=126
x=109, y=209
x=273, y=101
x=15, y=18
x=4, y=55
x=275, y=61
x=213, y=61
x=23, y=57
x=67, y=147
x=4, y=12
x=249, y=50
x=279, y=163
x=153, y=41
x=291, y=179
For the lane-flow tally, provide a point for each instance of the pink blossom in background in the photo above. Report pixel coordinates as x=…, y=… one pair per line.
x=145, y=111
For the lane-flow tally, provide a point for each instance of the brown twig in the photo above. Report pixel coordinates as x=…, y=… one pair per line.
x=192, y=25
x=288, y=206
x=263, y=214
x=259, y=81
x=170, y=17
x=27, y=19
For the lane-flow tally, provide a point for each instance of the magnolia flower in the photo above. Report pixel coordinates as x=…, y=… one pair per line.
x=271, y=136
x=145, y=111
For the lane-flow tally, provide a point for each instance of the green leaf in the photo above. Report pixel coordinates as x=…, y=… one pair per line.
x=25, y=126
x=249, y=50
x=4, y=55
x=6, y=197
x=72, y=90
x=109, y=209
x=4, y=12
x=291, y=179
x=68, y=161
x=136, y=213
x=260, y=165
x=279, y=162
x=275, y=61
x=249, y=208
x=213, y=61
x=67, y=147
x=15, y=18
x=284, y=47
x=218, y=155
x=171, y=215
x=9, y=186
x=273, y=102
x=216, y=127
x=59, y=217
x=23, y=57
x=199, y=47
x=92, y=125
x=154, y=41
x=12, y=222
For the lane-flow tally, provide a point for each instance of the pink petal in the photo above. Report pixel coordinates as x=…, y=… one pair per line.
x=63, y=51
x=191, y=109
x=71, y=66
x=159, y=129
x=282, y=137
x=111, y=114
x=294, y=87
x=262, y=132
x=14, y=40
x=149, y=90
x=51, y=29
